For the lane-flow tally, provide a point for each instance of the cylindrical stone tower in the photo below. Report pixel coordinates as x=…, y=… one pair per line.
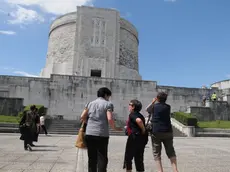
x=93, y=42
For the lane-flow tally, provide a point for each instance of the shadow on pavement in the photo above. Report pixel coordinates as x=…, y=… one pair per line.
x=45, y=146
x=43, y=150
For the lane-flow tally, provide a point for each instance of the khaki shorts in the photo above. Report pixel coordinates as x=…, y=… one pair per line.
x=167, y=140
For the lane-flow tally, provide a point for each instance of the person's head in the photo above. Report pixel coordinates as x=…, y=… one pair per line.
x=104, y=92
x=36, y=110
x=32, y=108
x=135, y=106
x=162, y=97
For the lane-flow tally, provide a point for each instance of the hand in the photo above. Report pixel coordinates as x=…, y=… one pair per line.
x=143, y=131
x=154, y=100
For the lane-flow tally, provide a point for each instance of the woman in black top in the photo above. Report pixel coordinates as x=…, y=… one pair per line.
x=162, y=130
x=137, y=137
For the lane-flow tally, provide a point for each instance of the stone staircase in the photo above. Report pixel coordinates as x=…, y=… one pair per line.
x=71, y=127
x=9, y=128
x=64, y=127
x=177, y=133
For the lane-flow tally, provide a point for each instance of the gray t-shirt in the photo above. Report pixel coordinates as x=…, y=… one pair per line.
x=97, y=124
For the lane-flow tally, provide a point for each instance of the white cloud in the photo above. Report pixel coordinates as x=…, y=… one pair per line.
x=56, y=7
x=25, y=16
x=7, y=32
x=25, y=74
x=17, y=71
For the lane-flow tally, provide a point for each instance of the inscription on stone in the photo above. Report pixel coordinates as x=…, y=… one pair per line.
x=99, y=32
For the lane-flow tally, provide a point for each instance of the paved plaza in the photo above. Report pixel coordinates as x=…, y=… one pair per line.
x=57, y=154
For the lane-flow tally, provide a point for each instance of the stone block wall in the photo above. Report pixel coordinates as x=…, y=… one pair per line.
x=10, y=106
x=180, y=98
x=202, y=113
x=66, y=95
x=217, y=110
x=70, y=94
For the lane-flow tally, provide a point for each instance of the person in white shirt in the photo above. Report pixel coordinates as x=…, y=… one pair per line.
x=42, y=123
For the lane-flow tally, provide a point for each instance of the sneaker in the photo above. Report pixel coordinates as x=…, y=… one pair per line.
x=29, y=147
x=25, y=149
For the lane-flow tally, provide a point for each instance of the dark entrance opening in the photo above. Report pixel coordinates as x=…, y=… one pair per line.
x=95, y=73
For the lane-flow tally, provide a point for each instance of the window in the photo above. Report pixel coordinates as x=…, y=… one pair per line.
x=95, y=73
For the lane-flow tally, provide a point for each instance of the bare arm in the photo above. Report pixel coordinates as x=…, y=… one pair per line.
x=84, y=115
x=141, y=125
x=111, y=121
x=149, y=108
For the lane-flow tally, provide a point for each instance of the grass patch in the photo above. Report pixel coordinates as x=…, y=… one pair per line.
x=9, y=119
x=214, y=124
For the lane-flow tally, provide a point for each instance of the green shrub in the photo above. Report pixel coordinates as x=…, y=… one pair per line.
x=20, y=114
x=41, y=109
x=185, y=118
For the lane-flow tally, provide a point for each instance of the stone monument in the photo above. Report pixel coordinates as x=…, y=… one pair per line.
x=93, y=42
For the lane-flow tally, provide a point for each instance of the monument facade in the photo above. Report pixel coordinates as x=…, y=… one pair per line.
x=93, y=42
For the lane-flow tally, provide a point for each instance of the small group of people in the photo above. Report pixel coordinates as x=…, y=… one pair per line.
x=98, y=116
x=30, y=125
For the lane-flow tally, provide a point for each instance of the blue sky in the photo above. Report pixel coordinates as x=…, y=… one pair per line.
x=182, y=42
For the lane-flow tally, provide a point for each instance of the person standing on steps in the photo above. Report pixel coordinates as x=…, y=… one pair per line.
x=214, y=97
x=98, y=115
x=162, y=131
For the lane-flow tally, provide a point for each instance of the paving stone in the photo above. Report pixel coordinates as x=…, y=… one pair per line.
x=58, y=154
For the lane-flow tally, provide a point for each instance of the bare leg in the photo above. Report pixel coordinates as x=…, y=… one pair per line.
x=159, y=165
x=174, y=164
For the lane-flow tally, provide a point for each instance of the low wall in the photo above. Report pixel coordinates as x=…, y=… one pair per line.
x=202, y=113
x=215, y=110
x=220, y=109
x=10, y=106
x=187, y=130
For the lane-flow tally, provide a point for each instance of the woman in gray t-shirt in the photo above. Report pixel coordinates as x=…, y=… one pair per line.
x=98, y=115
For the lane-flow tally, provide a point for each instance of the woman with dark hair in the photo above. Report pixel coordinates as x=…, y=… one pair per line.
x=137, y=138
x=98, y=115
x=162, y=130
x=26, y=128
